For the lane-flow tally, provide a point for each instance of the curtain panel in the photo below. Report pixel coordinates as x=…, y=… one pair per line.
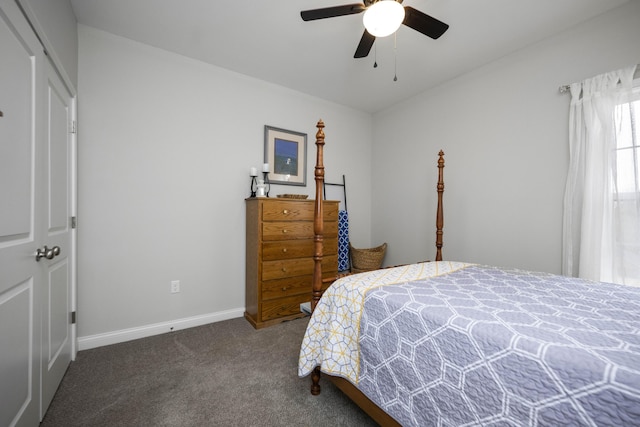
x=593, y=244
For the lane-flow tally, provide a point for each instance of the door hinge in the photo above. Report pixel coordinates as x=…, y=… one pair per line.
x=74, y=222
x=74, y=126
x=73, y=317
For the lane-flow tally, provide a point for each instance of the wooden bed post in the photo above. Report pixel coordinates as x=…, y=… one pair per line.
x=440, y=216
x=318, y=230
x=378, y=415
x=318, y=219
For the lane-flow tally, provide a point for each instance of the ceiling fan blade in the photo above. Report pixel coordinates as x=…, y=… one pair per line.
x=366, y=42
x=330, y=12
x=423, y=23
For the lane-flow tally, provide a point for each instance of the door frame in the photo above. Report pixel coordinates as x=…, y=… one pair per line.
x=73, y=165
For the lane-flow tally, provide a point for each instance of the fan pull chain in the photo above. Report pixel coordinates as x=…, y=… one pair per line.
x=375, y=55
x=395, y=57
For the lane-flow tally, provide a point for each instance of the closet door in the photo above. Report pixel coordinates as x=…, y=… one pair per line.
x=21, y=191
x=56, y=309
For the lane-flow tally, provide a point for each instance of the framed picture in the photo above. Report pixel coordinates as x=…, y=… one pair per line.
x=286, y=153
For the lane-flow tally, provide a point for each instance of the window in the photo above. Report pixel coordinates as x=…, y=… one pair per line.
x=626, y=198
x=601, y=220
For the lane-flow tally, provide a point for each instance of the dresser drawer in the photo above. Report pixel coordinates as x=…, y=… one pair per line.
x=281, y=288
x=287, y=249
x=287, y=210
x=295, y=230
x=284, y=306
x=287, y=230
x=296, y=267
x=290, y=304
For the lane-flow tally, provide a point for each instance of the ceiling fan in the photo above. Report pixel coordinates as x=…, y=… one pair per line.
x=410, y=17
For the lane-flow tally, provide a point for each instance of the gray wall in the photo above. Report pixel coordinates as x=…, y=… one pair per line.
x=165, y=148
x=504, y=131
x=165, y=145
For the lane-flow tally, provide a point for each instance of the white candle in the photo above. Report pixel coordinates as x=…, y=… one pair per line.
x=254, y=171
x=265, y=167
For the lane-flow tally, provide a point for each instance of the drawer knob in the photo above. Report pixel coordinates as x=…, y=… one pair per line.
x=284, y=231
x=284, y=250
x=284, y=270
x=285, y=211
x=284, y=288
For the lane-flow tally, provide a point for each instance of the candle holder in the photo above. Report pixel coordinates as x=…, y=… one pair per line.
x=254, y=186
x=267, y=184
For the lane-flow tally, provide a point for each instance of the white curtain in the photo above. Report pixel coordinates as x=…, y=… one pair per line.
x=593, y=234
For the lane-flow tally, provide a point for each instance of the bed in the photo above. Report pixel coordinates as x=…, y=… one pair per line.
x=451, y=343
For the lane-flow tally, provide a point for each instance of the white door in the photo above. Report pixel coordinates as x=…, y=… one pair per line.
x=21, y=190
x=36, y=203
x=57, y=335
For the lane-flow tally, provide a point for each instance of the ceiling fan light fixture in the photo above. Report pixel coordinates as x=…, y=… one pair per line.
x=383, y=18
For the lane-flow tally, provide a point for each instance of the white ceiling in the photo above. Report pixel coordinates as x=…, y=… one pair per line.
x=268, y=40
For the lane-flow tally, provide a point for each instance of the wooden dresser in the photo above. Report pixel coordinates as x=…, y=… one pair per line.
x=279, y=259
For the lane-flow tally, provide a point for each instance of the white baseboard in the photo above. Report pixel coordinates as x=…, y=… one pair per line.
x=114, y=337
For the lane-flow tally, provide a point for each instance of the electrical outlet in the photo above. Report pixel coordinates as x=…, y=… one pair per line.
x=175, y=286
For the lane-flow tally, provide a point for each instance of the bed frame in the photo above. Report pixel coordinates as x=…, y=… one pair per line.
x=347, y=388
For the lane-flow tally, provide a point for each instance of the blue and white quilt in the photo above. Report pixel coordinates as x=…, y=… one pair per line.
x=454, y=344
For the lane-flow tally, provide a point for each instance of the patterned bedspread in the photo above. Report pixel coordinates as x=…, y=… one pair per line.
x=449, y=344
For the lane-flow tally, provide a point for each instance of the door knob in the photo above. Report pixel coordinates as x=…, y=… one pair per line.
x=47, y=253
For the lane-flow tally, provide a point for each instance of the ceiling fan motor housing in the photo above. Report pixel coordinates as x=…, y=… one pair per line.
x=383, y=18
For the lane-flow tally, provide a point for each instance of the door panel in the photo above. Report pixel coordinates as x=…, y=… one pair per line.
x=19, y=401
x=56, y=322
x=16, y=149
x=58, y=153
x=57, y=335
x=21, y=190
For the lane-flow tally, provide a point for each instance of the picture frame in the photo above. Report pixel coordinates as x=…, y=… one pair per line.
x=286, y=153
